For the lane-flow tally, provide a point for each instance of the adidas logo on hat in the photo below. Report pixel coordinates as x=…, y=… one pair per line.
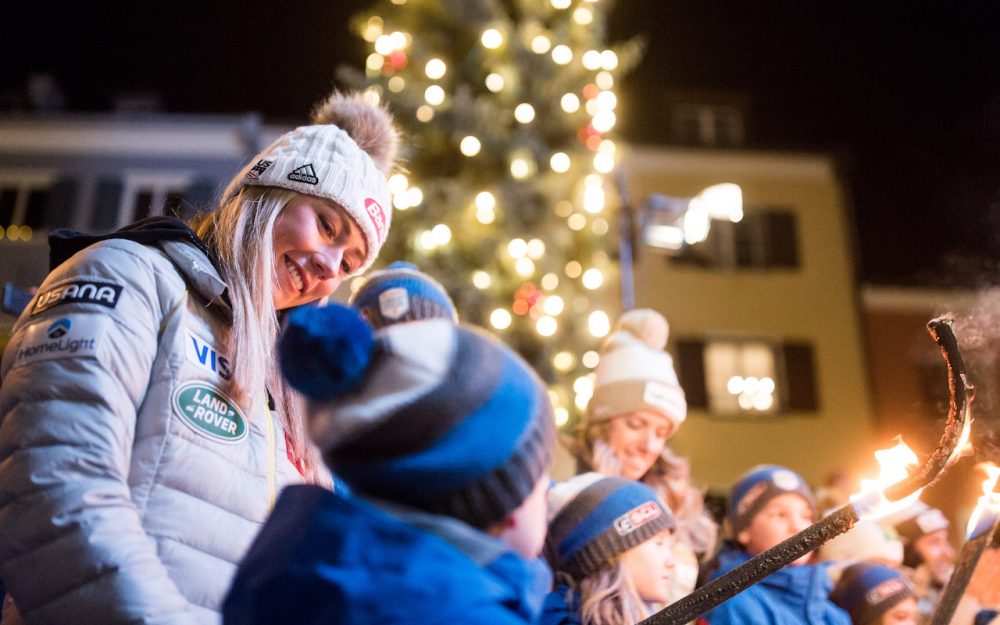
x=306, y=174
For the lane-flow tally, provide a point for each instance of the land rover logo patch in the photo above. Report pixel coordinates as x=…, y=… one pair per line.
x=210, y=412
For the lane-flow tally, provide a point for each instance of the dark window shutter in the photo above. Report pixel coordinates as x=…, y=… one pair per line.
x=61, y=203
x=781, y=243
x=800, y=377
x=691, y=372
x=107, y=203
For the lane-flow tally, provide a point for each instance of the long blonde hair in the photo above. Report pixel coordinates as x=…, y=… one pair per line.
x=609, y=597
x=670, y=477
x=240, y=232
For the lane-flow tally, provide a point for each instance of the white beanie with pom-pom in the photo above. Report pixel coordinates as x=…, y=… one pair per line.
x=344, y=156
x=635, y=373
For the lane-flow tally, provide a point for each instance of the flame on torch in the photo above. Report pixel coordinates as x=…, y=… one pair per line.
x=987, y=511
x=870, y=502
x=964, y=446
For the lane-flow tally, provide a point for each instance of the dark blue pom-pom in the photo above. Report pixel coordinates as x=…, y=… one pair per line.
x=324, y=351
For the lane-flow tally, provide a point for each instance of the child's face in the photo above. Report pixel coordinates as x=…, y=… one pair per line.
x=637, y=440
x=650, y=566
x=524, y=530
x=783, y=517
x=903, y=613
x=937, y=554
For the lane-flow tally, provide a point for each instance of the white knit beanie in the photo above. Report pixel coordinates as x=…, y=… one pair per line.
x=635, y=373
x=343, y=157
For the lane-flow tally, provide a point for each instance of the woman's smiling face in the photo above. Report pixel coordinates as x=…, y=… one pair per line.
x=316, y=245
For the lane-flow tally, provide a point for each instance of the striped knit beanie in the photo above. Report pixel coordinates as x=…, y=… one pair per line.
x=760, y=485
x=867, y=590
x=399, y=293
x=593, y=518
x=432, y=415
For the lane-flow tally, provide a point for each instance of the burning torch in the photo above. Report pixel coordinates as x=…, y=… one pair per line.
x=889, y=493
x=984, y=526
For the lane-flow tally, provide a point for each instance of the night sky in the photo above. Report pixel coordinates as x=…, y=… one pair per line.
x=905, y=95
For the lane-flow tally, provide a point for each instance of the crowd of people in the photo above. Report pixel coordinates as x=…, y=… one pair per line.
x=189, y=433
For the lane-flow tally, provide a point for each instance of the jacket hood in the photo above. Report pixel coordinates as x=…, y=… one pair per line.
x=331, y=559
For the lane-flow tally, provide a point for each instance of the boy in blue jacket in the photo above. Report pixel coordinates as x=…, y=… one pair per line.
x=768, y=504
x=444, y=437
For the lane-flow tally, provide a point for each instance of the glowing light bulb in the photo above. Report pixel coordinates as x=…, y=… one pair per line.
x=383, y=45
x=398, y=40
x=590, y=359
x=593, y=200
x=396, y=84
x=414, y=196
x=520, y=168
x=536, y=249
x=591, y=59
x=500, y=319
x=546, y=326
x=562, y=54
x=524, y=267
x=550, y=281
x=425, y=113
x=561, y=4
x=375, y=62
x=442, y=234
x=599, y=227
x=494, y=82
x=540, y=44
x=563, y=361
x=397, y=183
x=607, y=99
x=553, y=305
x=604, y=80
x=570, y=103
x=593, y=279
x=583, y=16
x=517, y=248
x=609, y=60
x=373, y=29
x=604, y=162
x=560, y=415
x=598, y=324
x=560, y=162
x=492, y=38
x=435, y=69
x=470, y=146
x=604, y=121
x=573, y=269
x=434, y=95
x=576, y=222
x=524, y=113
x=481, y=279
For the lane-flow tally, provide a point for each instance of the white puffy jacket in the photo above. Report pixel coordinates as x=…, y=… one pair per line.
x=130, y=482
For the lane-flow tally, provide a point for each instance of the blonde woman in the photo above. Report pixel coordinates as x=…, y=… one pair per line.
x=144, y=428
x=637, y=406
x=610, y=545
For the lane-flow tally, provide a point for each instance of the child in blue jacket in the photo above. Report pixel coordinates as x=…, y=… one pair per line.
x=444, y=437
x=769, y=504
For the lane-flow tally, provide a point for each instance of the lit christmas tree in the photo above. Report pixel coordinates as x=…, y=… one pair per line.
x=507, y=108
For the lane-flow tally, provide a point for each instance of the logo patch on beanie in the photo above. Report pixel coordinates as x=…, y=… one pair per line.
x=210, y=412
x=931, y=520
x=883, y=591
x=258, y=169
x=394, y=303
x=305, y=174
x=376, y=214
x=785, y=480
x=637, y=517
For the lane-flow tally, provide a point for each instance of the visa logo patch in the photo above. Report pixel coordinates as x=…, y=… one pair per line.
x=204, y=356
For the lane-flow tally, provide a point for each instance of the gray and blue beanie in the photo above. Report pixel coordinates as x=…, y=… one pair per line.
x=593, y=518
x=399, y=293
x=867, y=590
x=760, y=485
x=433, y=415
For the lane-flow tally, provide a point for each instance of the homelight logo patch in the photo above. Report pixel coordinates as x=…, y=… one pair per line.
x=210, y=412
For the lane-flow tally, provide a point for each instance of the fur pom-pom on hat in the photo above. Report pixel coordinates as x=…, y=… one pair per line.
x=369, y=123
x=635, y=373
x=344, y=160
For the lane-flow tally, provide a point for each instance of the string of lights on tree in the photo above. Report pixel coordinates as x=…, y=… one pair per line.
x=507, y=108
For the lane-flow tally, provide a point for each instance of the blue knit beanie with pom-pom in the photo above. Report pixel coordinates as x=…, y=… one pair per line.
x=400, y=293
x=432, y=415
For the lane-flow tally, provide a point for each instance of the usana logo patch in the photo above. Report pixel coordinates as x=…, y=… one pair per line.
x=210, y=412
x=78, y=292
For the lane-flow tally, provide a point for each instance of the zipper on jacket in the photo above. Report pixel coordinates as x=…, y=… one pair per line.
x=272, y=450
